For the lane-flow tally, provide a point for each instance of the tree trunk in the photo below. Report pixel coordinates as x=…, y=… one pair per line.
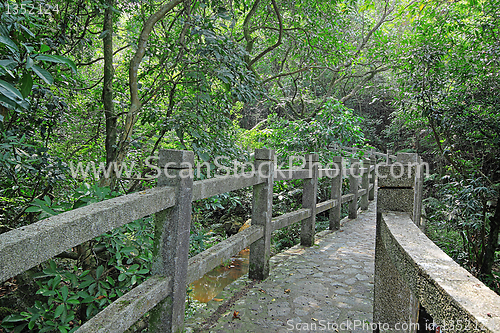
x=107, y=91
x=489, y=253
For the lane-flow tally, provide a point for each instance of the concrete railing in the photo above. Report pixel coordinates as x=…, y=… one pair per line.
x=353, y=151
x=418, y=288
x=163, y=294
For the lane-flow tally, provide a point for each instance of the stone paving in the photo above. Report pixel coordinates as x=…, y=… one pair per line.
x=327, y=287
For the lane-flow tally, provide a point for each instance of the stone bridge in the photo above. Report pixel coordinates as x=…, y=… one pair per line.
x=372, y=271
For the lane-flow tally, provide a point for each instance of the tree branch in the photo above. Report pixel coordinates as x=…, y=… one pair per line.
x=278, y=43
x=135, y=102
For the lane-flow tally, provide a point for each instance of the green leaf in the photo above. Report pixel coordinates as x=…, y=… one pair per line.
x=59, y=60
x=7, y=102
x=103, y=34
x=44, y=48
x=53, y=265
x=56, y=281
x=13, y=318
x=28, y=31
x=48, y=210
x=29, y=63
x=89, y=299
x=99, y=271
x=43, y=74
x=104, y=284
x=111, y=281
x=9, y=91
x=64, y=293
x=133, y=268
x=32, y=323
x=8, y=64
x=59, y=310
x=9, y=43
x=33, y=209
x=26, y=84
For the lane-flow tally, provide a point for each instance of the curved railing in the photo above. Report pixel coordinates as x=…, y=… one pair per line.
x=454, y=299
x=418, y=288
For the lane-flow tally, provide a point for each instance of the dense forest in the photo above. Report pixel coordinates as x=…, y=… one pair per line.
x=95, y=87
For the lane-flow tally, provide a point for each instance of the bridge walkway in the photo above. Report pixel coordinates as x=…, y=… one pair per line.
x=326, y=287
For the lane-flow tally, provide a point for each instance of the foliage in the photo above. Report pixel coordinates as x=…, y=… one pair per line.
x=333, y=125
x=28, y=172
x=448, y=71
x=72, y=295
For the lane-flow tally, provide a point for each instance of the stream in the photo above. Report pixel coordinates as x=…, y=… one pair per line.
x=212, y=283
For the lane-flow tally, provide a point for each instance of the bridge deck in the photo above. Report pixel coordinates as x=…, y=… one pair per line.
x=322, y=288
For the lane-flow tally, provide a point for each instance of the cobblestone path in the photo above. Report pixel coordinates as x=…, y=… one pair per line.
x=327, y=287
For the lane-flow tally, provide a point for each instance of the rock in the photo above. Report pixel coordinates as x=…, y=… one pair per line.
x=247, y=224
x=233, y=225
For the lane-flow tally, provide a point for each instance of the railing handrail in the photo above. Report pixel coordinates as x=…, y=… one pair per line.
x=448, y=292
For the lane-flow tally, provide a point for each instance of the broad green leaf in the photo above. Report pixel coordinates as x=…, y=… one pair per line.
x=13, y=318
x=9, y=43
x=9, y=91
x=111, y=281
x=32, y=322
x=59, y=60
x=43, y=74
x=33, y=209
x=59, y=310
x=133, y=267
x=29, y=63
x=64, y=292
x=27, y=31
x=99, y=271
x=46, y=292
x=26, y=84
x=44, y=48
x=7, y=102
x=8, y=64
x=103, y=34
x=48, y=210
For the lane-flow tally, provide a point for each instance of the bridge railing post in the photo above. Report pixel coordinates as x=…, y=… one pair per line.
x=353, y=188
x=336, y=193
x=419, y=184
x=388, y=157
x=365, y=184
x=373, y=161
x=171, y=240
x=262, y=204
x=309, y=195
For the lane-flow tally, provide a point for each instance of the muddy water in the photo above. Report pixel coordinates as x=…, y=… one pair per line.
x=212, y=283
